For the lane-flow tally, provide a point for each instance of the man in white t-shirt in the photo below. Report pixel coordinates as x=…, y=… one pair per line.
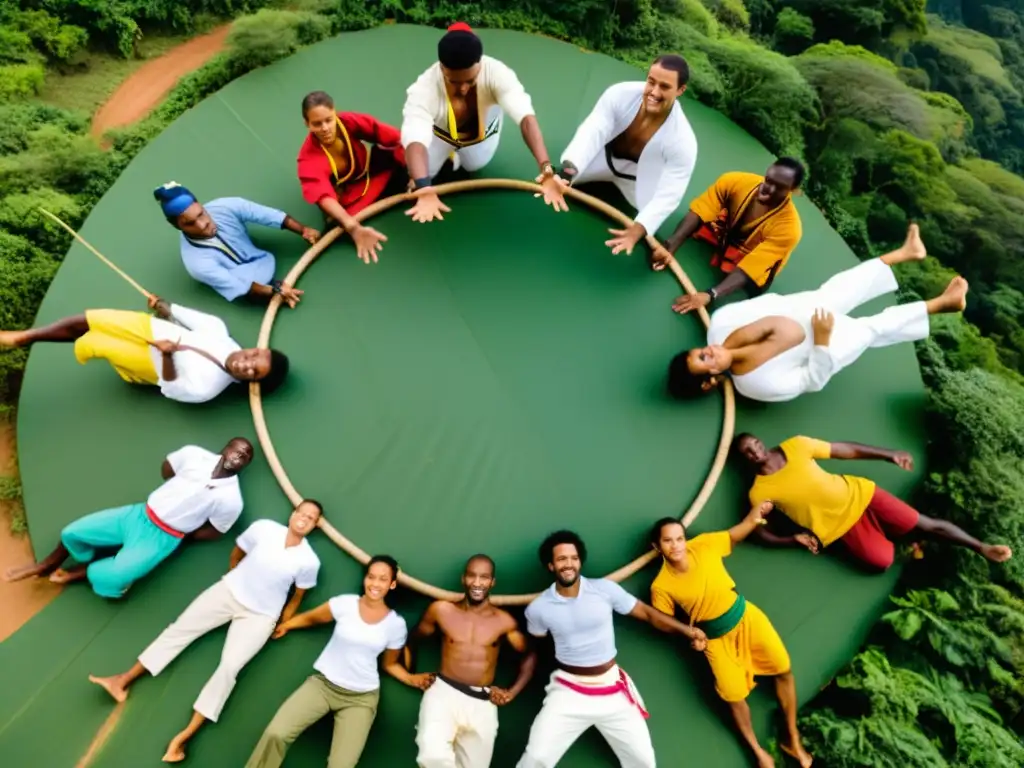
x=455, y=110
x=588, y=688
x=200, y=500
x=268, y=560
x=188, y=354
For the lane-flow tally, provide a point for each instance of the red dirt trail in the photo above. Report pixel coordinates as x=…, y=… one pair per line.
x=145, y=88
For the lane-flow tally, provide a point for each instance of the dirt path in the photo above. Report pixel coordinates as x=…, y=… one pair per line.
x=147, y=86
x=23, y=599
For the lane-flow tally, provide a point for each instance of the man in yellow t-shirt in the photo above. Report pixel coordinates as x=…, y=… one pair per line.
x=847, y=509
x=752, y=223
x=741, y=641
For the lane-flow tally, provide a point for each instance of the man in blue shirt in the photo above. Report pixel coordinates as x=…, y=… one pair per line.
x=588, y=688
x=216, y=248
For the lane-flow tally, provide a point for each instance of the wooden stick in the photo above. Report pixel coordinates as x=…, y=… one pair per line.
x=99, y=255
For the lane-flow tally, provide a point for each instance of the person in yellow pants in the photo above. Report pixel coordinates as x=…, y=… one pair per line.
x=742, y=643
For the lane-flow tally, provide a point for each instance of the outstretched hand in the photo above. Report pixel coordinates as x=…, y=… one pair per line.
x=310, y=235
x=691, y=302
x=553, y=194
x=428, y=206
x=660, y=258
x=624, y=240
x=369, y=242
x=279, y=631
x=821, y=325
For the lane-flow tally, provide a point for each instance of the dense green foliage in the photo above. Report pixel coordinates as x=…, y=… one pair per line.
x=899, y=115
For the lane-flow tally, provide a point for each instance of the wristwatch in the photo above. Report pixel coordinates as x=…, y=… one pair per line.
x=421, y=182
x=275, y=286
x=712, y=295
x=568, y=170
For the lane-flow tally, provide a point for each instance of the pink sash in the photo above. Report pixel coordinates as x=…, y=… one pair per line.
x=624, y=685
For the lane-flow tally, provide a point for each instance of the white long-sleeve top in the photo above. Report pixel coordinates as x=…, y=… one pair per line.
x=666, y=163
x=426, y=101
x=198, y=379
x=801, y=369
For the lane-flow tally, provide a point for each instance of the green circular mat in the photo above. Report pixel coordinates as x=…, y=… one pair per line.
x=497, y=375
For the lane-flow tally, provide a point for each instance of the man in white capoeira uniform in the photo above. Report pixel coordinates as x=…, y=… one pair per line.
x=777, y=348
x=456, y=109
x=638, y=138
x=269, y=560
x=588, y=688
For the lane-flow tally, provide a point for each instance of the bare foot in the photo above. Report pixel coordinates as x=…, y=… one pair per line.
x=113, y=685
x=11, y=338
x=913, y=246
x=997, y=553
x=23, y=572
x=953, y=299
x=798, y=753
x=60, y=576
x=175, y=750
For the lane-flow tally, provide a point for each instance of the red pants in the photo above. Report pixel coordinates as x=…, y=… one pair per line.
x=885, y=516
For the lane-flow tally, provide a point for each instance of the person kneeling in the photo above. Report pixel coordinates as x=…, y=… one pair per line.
x=267, y=561
x=341, y=175
x=187, y=353
x=346, y=683
x=741, y=641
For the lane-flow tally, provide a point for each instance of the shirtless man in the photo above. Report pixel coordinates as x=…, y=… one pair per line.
x=458, y=715
x=455, y=110
x=588, y=688
x=777, y=347
x=638, y=138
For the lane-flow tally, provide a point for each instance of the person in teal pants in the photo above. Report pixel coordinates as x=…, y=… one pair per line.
x=200, y=499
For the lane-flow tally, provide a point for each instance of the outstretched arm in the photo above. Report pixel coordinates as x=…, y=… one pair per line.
x=753, y=521
x=320, y=615
x=665, y=623
x=860, y=451
x=394, y=668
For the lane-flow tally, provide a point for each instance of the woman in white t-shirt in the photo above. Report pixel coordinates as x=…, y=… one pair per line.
x=269, y=560
x=346, y=682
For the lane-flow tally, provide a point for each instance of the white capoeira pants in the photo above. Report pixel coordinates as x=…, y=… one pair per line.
x=566, y=714
x=248, y=633
x=473, y=157
x=849, y=289
x=598, y=170
x=455, y=730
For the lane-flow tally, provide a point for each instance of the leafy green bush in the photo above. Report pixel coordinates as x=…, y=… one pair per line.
x=18, y=81
x=794, y=32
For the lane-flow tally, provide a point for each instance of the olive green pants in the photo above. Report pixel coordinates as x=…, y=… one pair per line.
x=353, y=716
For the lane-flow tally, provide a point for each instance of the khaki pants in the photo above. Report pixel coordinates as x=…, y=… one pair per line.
x=248, y=633
x=353, y=717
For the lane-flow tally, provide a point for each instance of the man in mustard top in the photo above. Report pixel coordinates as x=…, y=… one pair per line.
x=752, y=223
x=854, y=511
x=741, y=641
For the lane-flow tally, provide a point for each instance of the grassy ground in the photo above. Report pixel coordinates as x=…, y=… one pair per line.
x=86, y=84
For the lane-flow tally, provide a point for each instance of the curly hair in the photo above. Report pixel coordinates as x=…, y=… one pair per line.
x=546, y=551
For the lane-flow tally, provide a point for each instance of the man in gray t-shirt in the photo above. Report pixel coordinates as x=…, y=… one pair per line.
x=589, y=688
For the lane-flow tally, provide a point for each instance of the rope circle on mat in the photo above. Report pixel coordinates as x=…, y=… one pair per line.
x=348, y=546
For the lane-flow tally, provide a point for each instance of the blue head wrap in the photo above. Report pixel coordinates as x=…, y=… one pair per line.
x=173, y=198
